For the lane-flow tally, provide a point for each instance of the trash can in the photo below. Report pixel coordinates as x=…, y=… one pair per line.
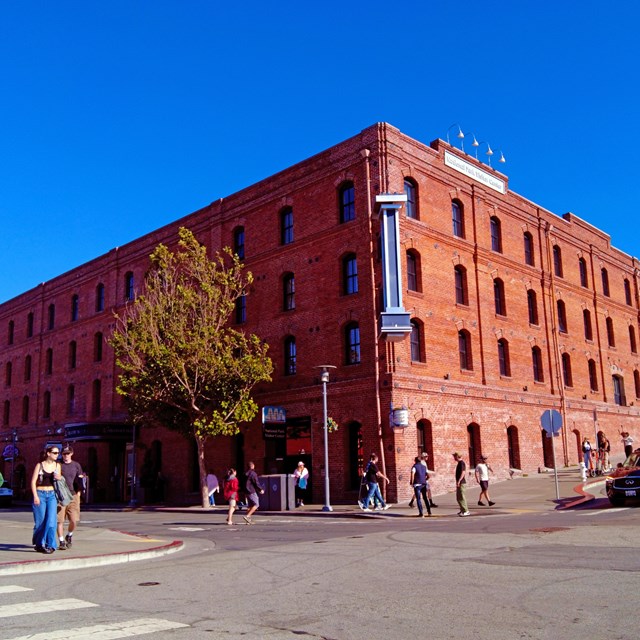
x=279, y=492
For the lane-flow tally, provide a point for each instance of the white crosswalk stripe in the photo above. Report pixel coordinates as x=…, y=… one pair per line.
x=13, y=588
x=43, y=606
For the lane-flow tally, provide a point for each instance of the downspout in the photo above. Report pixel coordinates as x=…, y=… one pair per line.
x=597, y=322
x=477, y=279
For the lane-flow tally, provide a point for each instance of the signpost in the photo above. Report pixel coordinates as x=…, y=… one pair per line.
x=551, y=421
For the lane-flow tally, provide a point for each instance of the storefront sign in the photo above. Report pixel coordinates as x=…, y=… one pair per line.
x=97, y=431
x=470, y=170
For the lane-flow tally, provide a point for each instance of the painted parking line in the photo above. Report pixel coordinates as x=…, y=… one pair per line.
x=43, y=606
x=13, y=588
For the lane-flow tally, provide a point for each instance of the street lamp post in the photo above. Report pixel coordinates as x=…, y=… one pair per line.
x=324, y=377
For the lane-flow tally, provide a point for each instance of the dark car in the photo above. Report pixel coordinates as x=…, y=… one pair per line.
x=623, y=483
x=6, y=495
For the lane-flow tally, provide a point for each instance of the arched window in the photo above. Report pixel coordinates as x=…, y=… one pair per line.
x=566, y=370
x=98, y=341
x=529, y=256
x=474, y=444
x=8, y=374
x=10, y=332
x=457, y=216
x=30, y=324
x=6, y=413
x=513, y=447
x=96, y=398
x=532, y=304
x=611, y=337
x=413, y=271
x=496, y=234
x=499, y=297
x=417, y=346
x=48, y=361
x=75, y=307
x=241, y=309
x=411, y=191
x=557, y=261
x=27, y=368
x=588, y=328
x=288, y=292
x=462, y=292
x=632, y=339
x=464, y=349
x=290, y=356
x=536, y=357
x=618, y=391
x=562, y=317
x=238, y=242
x=627, y=292
x=25, y=409
x=129, y=286
x=424, y=433
x=51, y=316
x=605, y=282
x=503, y=358
x=286, y=226
x=73, y=354
x=100, y=298
x=636, y=382
x=352, y=343
x=584, y=278
x=349, y=274
x=347, y=202
x=593, y=374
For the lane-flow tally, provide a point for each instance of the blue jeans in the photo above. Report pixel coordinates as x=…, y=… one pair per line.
x=420, y=490
x=373, y=491
x=45, y=520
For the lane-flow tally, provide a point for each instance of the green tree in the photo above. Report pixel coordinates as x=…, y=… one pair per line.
x=181, y=364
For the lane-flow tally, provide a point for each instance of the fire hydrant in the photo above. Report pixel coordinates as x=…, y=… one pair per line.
x=583, y=472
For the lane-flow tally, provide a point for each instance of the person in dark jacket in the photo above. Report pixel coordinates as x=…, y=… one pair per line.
x=252, y=488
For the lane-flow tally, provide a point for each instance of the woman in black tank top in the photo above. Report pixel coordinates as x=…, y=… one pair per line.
x=45, y=505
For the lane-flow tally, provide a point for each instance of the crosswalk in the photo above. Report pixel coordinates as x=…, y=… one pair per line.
x=108, y=631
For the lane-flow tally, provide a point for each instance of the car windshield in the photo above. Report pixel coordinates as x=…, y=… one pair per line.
x=633, y=460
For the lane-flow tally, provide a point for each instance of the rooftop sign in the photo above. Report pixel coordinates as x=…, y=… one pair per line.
x=470, y=170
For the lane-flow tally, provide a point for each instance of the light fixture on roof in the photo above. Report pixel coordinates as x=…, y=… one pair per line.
x=475, y=142
x=459, y=135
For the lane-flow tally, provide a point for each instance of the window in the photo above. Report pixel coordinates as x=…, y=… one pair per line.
x=498, y=297
x=413, y=270
x=632, y=339
x=75, y=307
x=532, y=303
x=6, y=413
x=605, y=282
x=349, y=274
x=286, y=226
x=27, y=368
x=100, y=298
x=529, y=257
x=636, y=382
x=71, y=400
x=25, y=409
x=464, y=348
x=352, y=343
x=424, y=433
x=48, y=362
x=536, y=357
x=457, y=215
x=46, y=405
x=238, y=242
x=51, y=316
x=8, y=374
x=593, y=375
x=588, y=329
x=557, y=261
x=503, y=358
x=584, y=279
x=289, y=292
x=241, y=309
x=566, y=370
x=496, y=234
x=618, y=391
x=128, y=286
x=73, y=354
x=416, y=342
x=96, y=398
x=30, y=325
x=611, y=338
x=97, y=346
x=347, y=202
x=562, y=317
x=627, y=292
x=10, y=332
x=462, y=295
x=412, y=201
x=290, y=356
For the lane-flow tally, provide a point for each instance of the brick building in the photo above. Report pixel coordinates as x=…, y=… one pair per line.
x=413, y=269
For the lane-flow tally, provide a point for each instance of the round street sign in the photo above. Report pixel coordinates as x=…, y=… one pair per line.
x=551, y=421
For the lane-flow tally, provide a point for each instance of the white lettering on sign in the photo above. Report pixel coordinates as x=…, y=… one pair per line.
x=474, y=172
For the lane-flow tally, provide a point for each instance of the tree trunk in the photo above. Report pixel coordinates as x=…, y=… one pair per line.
x=203, y=473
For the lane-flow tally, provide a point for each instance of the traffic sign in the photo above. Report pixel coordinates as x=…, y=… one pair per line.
x=551, y=421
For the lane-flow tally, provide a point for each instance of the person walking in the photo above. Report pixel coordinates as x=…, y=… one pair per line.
x=74, y=477
x=461, y=485
x=231, y=489
x=482, y=478
x=213, y=487
x=627, y=441
x=372, y=474
x=301, y=474
x=252, y=488
x=586, y=454
x=418, y=481
x=45, y=505
x=426, y=493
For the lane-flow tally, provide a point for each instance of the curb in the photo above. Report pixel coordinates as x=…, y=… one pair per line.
x=585, y=496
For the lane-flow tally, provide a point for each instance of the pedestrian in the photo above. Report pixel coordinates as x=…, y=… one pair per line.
x=604, y=447
x=372, y=474
x=627, y=441
x=74, y=477
x=426, y=494
x=482, y=478
x=252, y=488
x=45, y=504
x=418, y=481
x=586, y=454
x=231, y=489
x=213, y=487
x=301, y=474
x=461, y=485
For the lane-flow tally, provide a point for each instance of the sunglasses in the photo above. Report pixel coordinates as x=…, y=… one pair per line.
x=55, y=452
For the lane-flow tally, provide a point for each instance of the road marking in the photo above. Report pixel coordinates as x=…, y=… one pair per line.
x=186, y=528
x=13, y=588
x=606, y=510
x=113, y=631
x=43, y=606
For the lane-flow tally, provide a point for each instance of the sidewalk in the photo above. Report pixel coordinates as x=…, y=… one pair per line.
x=97, y=547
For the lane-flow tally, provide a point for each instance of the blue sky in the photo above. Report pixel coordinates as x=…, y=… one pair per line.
x=118, y=117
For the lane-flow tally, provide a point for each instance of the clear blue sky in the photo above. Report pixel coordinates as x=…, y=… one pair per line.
x=119, y=116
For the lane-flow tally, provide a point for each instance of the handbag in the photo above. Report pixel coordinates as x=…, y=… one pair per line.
x=64, y=495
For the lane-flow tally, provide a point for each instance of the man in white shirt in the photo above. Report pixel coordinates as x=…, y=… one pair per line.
x=482, y=478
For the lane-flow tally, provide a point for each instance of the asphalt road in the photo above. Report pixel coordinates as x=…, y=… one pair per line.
x=500, y=574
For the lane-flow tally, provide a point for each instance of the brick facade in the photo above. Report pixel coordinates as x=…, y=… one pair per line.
x=473, y=409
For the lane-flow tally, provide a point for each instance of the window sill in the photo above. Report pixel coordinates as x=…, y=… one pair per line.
x=462, y=305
